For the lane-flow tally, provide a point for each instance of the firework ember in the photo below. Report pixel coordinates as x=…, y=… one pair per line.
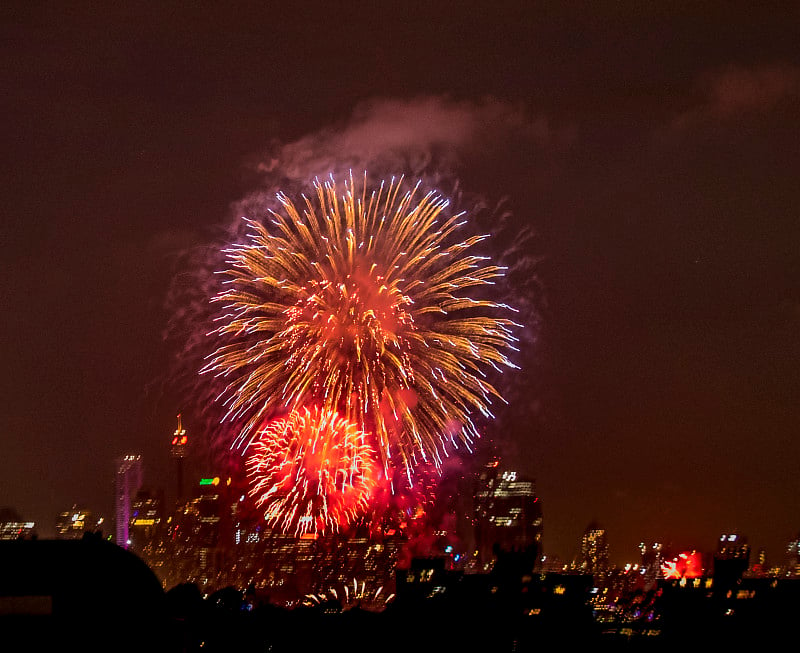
x=311, y=472
x=362, y=303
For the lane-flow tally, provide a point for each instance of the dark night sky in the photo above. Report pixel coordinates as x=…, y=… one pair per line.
x=655, y=153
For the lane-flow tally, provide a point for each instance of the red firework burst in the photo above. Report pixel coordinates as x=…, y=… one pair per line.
x=311, y=472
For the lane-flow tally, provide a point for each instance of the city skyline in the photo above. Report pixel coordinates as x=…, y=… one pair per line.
x=570, y=554
x=501, y=518
x=642, y=163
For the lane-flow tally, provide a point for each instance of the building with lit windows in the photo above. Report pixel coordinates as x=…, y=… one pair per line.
x=147, y=519
x=507, y=515
x=594, y=551
x=651, y=564
x=13, y=527
x=732, y=546
x=72, y=524
x=759, y=567
x=200, y=536
x=339, y=559
x=127, y=482
x=793, y=558
x=731, y=560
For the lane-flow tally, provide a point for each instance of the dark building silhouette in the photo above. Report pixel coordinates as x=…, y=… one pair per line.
x=507, y=609
x=732, y=546
x=52, y=588
x=731, y=561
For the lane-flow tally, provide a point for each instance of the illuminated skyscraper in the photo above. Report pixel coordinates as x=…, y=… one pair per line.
x=127, y=483
x=652, y=562
x=732, y=546
x=507, y=514
x=146, y=520
x=178, y=452
x=594, y=550
x=730, y=560
x=201, y=533
x=793, y=558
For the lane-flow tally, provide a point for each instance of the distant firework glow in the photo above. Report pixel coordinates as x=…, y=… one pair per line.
x=357, y=596
x=311, y=472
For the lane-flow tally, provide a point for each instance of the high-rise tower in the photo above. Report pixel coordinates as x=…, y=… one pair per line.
x=507, y=514
x=793, y=558
x=594, y=551
x=732, y=546
x=178, y=453
x=730, y=561
x=652, y=562
x=127, y=482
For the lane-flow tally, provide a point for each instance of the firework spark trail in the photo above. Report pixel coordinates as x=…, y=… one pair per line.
x=359, y=303
x=357, y=597
x=311, y=472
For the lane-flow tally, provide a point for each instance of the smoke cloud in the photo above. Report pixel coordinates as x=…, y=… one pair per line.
x=738, y=92
x=430, y=137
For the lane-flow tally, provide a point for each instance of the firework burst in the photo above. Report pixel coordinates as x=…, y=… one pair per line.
x=351, y=596
x=311, y=472
x=364, y=304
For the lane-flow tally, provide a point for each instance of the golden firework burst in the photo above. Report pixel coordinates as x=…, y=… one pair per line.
x=362, y=303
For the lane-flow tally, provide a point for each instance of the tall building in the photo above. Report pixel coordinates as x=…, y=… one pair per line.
x=127, y=482
x=732, y=546
x=652, y=562
x=760, y=567
x=201, y=534
x=507, y=515
x=177, y=452
x=146, y=519
x=339, y=559
x=731, y=560
x=594, y=551
x=793, y=558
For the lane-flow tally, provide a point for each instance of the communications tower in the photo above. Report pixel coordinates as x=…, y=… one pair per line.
x=178, y=453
